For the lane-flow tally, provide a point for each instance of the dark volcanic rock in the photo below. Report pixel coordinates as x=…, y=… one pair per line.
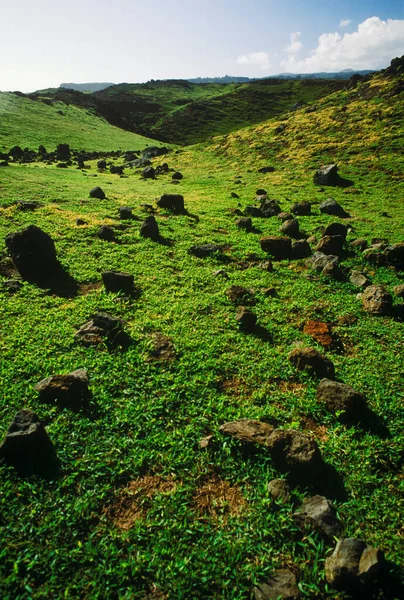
x=376, y=301
x=106, y=233
x=317, y=514
x=116, y=170
x=118, y=282
x=266, y=170
x=308, y=359
x=353, y=566
x=101, y=328
x=282, y=585
x=173, y=202
x=27, y=446
x=340, y=397
x=102, y=164
x=204, y=250
x=300, y=249
x=245, y=223
x=277, y=246
x=246, y=318
x=395, y=255
x=248, y=430
x=330, y=245
x=149, y=228
x=125, y=212
x=290, y=228
x=270, y=208
x=33, y=253
x=69, y=390
x=295, y=452
x=285, y=216
x=358, y=279
x=149, y=173
x=319, y=261
x=336, y=229
x=177, y=176
x=302, y=209
x=97, y=192
x=253, y=211
x=331, y=207
x=327, y=175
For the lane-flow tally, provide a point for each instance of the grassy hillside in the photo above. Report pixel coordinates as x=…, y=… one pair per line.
x=29, y=123
x=186, y=113
x=140, y=508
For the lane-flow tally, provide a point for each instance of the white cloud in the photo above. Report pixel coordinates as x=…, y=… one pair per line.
x=258, y=59
x=372, y=46
x=345, y=22
x=295, y=44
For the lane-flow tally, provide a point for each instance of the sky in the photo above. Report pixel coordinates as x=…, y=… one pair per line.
x=46, y=42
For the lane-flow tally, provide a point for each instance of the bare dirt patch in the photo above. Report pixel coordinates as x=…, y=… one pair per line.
x=86, y=288
x=162, y=348
x=7, y=268
x=134, y=501
x=319, y=431
x=217, y=497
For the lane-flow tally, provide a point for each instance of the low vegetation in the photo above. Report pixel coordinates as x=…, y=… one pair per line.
x=152, y=500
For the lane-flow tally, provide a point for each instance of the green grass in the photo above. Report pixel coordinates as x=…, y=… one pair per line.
x=61, y=539
x=29, y=123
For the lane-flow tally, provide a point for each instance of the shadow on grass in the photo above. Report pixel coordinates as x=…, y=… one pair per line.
x=59, y=282
x=367, y=421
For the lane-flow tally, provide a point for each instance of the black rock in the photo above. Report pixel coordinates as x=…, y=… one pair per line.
x=327, y=175
x=69, y=390
x=277, y=246
x=300, y=249
x=341, y=398
x=331, y=207
x=308, y=359
x=173, y=202
x=97, y=192
x=106, y=233
x=244, y=223
x=125, y=213
x=331, y=245
x=290, y=228
x=253, y=211
x=149, y=173
x=116, y=170
x=27, y=446
x=318, y=514
x=261, y=192
x=354, y=567
x=33, y=253
x=295, y=453
x=149, y=228
x=336, y=229
x=266, y=170
x=270, y=208
x=102, y=164
x=102, y=328
x=115, y=282
x=177, y=176
x=204, y=250
x=395, y=255
x=301, y=209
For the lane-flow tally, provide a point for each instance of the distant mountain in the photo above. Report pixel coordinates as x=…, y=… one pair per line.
x=345, y=74
x=225, y=79
x=86, y=87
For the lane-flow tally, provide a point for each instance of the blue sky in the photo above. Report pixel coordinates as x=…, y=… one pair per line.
x=44, y=43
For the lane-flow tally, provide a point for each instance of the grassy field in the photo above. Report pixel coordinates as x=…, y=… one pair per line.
x=28, y=123
x=140, y=510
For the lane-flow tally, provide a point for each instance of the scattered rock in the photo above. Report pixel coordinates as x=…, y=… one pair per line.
x=204, y=250
x=270, y=208
x=125, y=212
x=69, y=391
x=331, y=207
x=116, y=170
x=294, y=452
x=376, y=301
x=308, y=359
x=101, y=164
x=253, y=211
x=279, y=489
x=302, y=209
x=173, y=202
x=285, y=216
x=327, y=175
x=245, y=223
x=261, y=192
x=341, y=398
x=318, y=514
x=80, y=222
x=162, y=348
x=246, y=318
x=319, y=261
x=320, y=331
x=279, y=247
x=250, y=431
x=106, y=233
x=353, y=565
x=395, y=255
x=360, y=244
x=234, y=195
x=281, y=586
x=150, y=229
x=12, y=286
x=266, y=265
x=101, y=328
x=115, y=282
x=27, y=446
x=265, y=170
x=221, y=273
x=290, y=228
x=27, y=205
x=330, y=245
x=97, y=192
x=375, y=256
x=33, y=253
x=178, y=176
x=338, y=229
x=240, y=295
x=270, y=292
x=149, y=173
x=358, y=279
x=300, y=249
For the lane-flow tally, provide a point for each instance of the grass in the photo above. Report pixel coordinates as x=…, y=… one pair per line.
x=201, y=523
x=28, y=123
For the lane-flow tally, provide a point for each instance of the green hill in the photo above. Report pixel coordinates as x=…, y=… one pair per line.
x=30, y=123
